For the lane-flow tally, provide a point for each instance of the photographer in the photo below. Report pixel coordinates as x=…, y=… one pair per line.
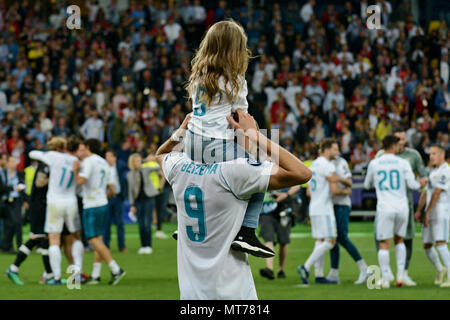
x=15, y=181
x=276, y=219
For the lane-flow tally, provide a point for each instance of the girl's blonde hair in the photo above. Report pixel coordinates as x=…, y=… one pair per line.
x=222, y=52
x=131, y=161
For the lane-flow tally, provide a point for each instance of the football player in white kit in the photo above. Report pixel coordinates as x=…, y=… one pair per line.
x=437, y=215
x=62, y=205
x=94, y=175
x=322, y=187
x=391, y=175
x=211, y=202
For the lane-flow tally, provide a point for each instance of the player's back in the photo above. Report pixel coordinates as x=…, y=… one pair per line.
x=390, y=174
x=62, y=185
x=211, y=203
x=319, y=187
x=440, y=178
x=97, y=173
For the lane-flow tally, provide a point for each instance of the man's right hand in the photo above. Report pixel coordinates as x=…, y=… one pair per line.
x=245, y=122
x=417, y=215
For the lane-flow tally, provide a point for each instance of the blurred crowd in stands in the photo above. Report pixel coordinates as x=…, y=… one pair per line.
x=318, y=71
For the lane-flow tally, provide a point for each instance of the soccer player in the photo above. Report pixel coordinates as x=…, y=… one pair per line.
x=437, y=215
x=415, y=160
x=62, y=207
x=342, y=209
x=94, y=174
x=211, y=201
x=322, y=187
x=391, y=175
x=38, y=238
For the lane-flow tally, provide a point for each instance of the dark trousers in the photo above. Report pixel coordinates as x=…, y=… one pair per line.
x=2, y=231
x=13, y=224
x=115, y=216
x=161, y=201
x=144, y=214
x=342, y=214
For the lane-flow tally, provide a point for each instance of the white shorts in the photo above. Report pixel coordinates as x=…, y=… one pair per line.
x=323, y=227
x=437, y=230
x=60, y=212
x=388, y=224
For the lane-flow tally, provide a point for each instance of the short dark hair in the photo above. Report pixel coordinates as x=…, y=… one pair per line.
x=438, y=146
x=389, y=141
x=327, y=143
x=72, y=144
x=111, y=151
x=94, y=145
x=398, y=130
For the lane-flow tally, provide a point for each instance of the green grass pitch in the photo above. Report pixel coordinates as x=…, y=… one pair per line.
x=154, y=276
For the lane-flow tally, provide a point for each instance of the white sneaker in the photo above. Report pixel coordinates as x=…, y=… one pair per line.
x=385, y=284
x=440, y=277
x=142, y=250
x=362, y=277
x=148, y=250
x=334, y=279
x=408, y=281
x=161, y=235
x=445, y=284
x=391, y=276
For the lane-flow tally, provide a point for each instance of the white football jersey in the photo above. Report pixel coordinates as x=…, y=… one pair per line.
x=98, y=176
x=343, y=171
x=211, y=121
x=61, y=185
x=440, y=178
x=391, y=176
x=321, y=197
x=211, y=202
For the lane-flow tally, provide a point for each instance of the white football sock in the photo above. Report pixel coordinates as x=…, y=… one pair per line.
x=319, y=251
x=96, y=270
x=434, y=258
x=318, y=265
x=77, y=253
x=383, y=260
x=14, y=268
x=400, y=256
x=362, y=265
x=445, y=255
x=55, y=261
x=114, y=267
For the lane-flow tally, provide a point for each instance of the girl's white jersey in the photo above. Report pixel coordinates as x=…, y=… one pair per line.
x=61, y=185
x=391, y=176
x=98, y=176
x=211, y=121
x=211, y=203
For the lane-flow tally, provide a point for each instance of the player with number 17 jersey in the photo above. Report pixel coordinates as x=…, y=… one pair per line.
x=98, y=174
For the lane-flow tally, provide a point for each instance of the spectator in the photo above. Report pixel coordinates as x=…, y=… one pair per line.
x=15, y=182
x=141, y=195
x=92, y=128
x=115, y=203
x=307, y=11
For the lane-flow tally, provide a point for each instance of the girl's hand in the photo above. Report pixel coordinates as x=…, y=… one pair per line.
x=245, y=121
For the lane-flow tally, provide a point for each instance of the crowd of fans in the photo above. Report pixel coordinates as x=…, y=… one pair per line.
x=318, y=71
